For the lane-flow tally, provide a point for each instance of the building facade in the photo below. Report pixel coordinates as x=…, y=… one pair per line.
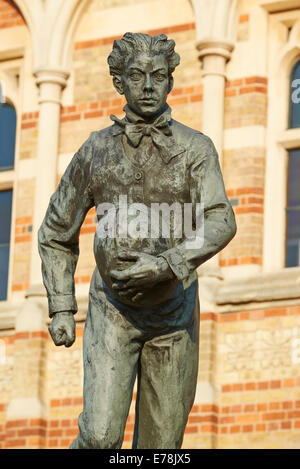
x=238, y=83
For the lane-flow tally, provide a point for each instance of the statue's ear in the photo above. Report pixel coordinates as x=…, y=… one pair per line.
x=118, y=84
x=171, y=83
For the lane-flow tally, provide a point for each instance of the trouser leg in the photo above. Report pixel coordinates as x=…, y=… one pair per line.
x=167, y=386
x=111, y=349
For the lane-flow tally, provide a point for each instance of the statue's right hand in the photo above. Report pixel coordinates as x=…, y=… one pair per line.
x=62, y=329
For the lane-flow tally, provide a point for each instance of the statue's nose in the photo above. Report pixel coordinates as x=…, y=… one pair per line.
x=148, y=83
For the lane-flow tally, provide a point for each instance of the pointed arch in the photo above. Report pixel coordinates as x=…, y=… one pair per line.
x=52, y=24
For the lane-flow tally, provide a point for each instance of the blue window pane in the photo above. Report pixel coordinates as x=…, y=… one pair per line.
x=294, y=178
x=293, y=224
x=5, y=216
x=5, y=224
x=7, y=136
x=292, y=253
x=4, y=260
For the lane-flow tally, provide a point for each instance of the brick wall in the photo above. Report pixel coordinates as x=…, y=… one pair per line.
x=23, y=234
x=29, y=135
x=10, y=15
x=244, y=169
x=256, y=382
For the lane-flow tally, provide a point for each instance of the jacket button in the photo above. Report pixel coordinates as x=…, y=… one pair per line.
x=138, y=175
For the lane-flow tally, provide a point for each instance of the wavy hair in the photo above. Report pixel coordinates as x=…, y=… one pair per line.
x=133, y=43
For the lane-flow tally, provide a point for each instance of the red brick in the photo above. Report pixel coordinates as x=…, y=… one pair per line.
x=287, y=405
x=262, y=385
x=275, y=312
x=226, y=388
x=237, y=387
x=15, y=443
x=236, y=408
x=92, y=115
x=228, y=419
x=274, y=405
x=54, y=423
x=249, y=408
x=275, y=384
x=53, y=443
x=16, y=423
x=55, y=403
x=247, y=428
x=243, y=18
x=294, y=414
x=28, y=125
x=55, y=433
x=176, y=91
x=250, y=386
x=208, y=429
x=22, y=335
x=235, y=429
x=73, y=117
x=191, y=429
x=196, y=98
x=273, y=416
x=66, y=401
x=260, y=427
x=72, y=432
x=262, y=407
x=287, y=383
x=273, y=426
x=66, y=423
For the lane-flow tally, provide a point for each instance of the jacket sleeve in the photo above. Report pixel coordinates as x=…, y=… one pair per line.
x=218, y=220
x=58, y=235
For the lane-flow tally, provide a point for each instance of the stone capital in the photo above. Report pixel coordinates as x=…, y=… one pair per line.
x=49, y=75
x=212, y=46
x=214, y=53
x=51, y=82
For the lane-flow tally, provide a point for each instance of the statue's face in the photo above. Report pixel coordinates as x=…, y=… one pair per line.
x=146, y=84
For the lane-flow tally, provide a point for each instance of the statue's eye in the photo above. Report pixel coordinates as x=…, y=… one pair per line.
x=159, y=76
x=135, y=76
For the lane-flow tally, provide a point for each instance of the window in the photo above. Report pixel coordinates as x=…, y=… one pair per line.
x=294, y=117
x=5, y=217
x=7, y=157
x=7, y=136
x=293, y=186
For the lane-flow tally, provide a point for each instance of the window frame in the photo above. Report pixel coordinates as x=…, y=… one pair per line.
x=8, y=178
x=279, y=139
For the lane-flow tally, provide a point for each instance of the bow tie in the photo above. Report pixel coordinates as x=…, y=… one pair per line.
x=135, y=128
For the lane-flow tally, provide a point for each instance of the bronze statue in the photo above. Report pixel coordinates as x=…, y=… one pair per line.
x=143, y=315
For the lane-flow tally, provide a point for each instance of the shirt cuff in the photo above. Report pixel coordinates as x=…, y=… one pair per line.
x=62, y=303
x=176, y=262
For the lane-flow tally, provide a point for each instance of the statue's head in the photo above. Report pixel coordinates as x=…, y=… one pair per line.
x=142, y=67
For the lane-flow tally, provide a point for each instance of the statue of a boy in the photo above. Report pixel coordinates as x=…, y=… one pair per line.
x=144, y=319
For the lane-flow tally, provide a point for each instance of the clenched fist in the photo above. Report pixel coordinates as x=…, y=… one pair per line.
x=62, y=329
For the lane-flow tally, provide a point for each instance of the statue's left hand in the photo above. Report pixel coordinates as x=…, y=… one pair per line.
x=144, y=273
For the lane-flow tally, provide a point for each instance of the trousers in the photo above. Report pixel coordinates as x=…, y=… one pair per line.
x=160, y=347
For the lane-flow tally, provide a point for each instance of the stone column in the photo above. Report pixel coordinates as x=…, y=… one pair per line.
x=214, y=54
x=51, y=83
